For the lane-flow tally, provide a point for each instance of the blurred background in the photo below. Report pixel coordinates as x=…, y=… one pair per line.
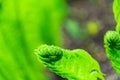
x=71, y=24
x=85, y=27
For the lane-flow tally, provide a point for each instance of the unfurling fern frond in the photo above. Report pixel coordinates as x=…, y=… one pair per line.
x=112, y=45
x=49, y=54
x=71, y=64
x=112, y=39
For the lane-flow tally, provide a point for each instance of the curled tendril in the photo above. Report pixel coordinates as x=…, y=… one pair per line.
x=49, y=53
x=71, y=64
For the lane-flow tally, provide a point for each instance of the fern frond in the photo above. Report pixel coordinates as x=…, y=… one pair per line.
x=71, y=64
x=112, y=45
x=49, y=53
x=112, y=39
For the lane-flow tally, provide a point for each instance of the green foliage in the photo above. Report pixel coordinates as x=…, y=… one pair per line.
x=112, y=39
x=116, y=10
x=73, y=28
x=71, y=64
x=112, y=45
x=25, y=24
x=77, y=33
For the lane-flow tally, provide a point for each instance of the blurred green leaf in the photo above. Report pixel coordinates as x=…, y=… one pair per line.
x=75, y=31
x=24, y=25
x=116, y=10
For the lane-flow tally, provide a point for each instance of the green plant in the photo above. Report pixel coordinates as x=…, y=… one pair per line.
x=71, y=64
x=25, y=24
x=77, y=33
x=112, y=39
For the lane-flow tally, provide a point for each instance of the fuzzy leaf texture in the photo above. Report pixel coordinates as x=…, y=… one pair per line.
x=71, y=64
x=112, y=39
x=25, y=24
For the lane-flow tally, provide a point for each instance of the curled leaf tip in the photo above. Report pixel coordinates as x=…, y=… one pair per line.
x=49, y=53
x=74, y=64
x=112, y=45
x=112, y=40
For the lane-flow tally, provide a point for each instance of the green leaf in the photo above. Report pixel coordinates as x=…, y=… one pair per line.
x=116, y=10
x=71, y=64
x=112, y=45
x=25, y=24
x=112, y=39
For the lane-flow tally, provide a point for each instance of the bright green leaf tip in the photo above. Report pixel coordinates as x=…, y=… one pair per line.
x=112, y=40
x=49, y=53
x=112, y=45
x=71, y=64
